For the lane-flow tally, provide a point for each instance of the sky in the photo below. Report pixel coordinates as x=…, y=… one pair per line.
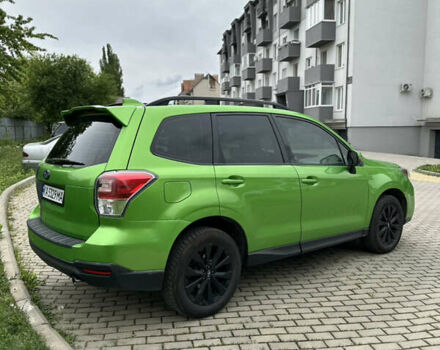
x=159, y=42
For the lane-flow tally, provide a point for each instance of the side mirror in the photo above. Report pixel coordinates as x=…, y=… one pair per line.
x=353, y=161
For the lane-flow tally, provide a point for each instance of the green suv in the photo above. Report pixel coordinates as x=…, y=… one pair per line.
x=180, y=198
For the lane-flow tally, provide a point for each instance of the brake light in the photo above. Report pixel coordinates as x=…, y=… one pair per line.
x=25, y=155
x=116, y=189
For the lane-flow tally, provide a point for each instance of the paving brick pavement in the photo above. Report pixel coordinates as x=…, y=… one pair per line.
x=334, y=298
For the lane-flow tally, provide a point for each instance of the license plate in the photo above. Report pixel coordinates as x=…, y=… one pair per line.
x=53, y=194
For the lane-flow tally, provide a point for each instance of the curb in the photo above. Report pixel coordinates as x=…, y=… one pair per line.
x=426, y=172
x=18, y=289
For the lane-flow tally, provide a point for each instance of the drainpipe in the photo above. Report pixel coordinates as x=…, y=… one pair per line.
x=347, y=66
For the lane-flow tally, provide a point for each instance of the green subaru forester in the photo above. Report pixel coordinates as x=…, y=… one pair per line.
x=180, y=198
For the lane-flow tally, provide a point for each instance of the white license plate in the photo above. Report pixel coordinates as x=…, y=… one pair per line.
x=53, y=194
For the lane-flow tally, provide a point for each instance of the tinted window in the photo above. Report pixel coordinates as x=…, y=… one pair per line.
x=246, y=139
x=307, y=143
x=185, y=138
x=87, y=142
x=59, y=130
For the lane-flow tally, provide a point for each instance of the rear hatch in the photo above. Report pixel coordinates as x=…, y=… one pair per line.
x=66, y=180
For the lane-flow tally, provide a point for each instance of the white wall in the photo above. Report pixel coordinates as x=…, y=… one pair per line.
x=389, y=49
x=431, y=107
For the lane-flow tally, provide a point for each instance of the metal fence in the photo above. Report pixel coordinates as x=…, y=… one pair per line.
x=20, y=130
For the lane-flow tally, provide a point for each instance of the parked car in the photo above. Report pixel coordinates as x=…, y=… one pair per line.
x=35, y=152
x=180, y=198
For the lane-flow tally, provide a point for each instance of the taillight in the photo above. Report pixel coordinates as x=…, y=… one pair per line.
x=25, y=155
x=116, y=189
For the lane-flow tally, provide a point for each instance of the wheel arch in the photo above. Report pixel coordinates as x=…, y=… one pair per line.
x=399, y=195
x=228, y=225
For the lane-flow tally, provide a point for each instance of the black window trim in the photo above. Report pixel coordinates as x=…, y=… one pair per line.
x=216, y=140
x=284, y=143
x=206, y=115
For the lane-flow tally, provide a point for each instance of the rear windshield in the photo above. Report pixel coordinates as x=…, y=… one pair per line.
x=86, y=142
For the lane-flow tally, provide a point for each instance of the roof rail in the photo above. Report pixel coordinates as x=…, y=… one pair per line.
x=216, y=101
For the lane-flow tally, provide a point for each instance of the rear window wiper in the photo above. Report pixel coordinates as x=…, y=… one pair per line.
x=62, y=161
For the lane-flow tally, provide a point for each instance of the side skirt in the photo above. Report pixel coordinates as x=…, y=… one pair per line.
x=278, y=253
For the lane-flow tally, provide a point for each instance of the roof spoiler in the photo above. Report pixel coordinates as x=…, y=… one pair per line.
x=121, y=112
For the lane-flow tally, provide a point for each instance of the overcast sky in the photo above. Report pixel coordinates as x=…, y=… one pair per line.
x=159, y=42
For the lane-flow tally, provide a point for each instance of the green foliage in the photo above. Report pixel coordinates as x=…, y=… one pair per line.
x=16, y=34
x=11, y=170
x=431, y=167
x=58, y=82
x=110, y=65
x=15, y=331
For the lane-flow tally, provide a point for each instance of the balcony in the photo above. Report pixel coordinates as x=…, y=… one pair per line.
x=248, y=47
x=249, y=95
x=321, y=34
x=289, y=51
x=264, y=37
x=290, y=17
x=264, y=93
x=288, y=84
x=320, y=74
x=261, y=8
x=225, y=86
x=224, y=67
x=247, y=25
x=263, y=65
x=249, y=74
x=236, y=59
x=322, y=113
x=235, y=81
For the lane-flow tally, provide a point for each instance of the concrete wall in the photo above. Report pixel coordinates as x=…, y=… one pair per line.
x=399, y=140
x=20, y=130
x=389, y=49
x=431, y=107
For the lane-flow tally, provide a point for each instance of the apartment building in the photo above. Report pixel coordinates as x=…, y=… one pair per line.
x=205, y=85
x=368, y=69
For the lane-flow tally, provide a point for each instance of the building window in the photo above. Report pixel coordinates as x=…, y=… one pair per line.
x=339, y=98
x=340, y=10
x=284, y=39
x=274, y=79
x=295, y=34
x=308, y=62
x=295, y=70
x=319, y=11
x=275, y=52
x=318, y=95
x=340, y=56
x=275, y=20
x=284, y=73
x=324, y=57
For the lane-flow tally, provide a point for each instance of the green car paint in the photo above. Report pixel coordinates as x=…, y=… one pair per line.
x=275, y=206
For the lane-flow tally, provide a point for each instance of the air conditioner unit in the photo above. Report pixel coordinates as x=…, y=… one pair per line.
x=427, y=93
x=406, y=87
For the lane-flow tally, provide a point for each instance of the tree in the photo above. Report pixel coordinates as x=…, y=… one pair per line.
x=57, y=82
x=110, y=65
x=15, y=36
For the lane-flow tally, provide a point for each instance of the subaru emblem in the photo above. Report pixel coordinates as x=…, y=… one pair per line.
x=46, y=174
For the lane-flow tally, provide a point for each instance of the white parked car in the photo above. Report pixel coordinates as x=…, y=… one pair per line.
x=35, y=152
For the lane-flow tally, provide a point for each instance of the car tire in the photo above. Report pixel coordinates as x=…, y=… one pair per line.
x=202, y=273
x=386, y=226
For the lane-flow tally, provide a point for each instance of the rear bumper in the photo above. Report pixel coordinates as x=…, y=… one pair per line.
x=104, y=275
x=108, y=275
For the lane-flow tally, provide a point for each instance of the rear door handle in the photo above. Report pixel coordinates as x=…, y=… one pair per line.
x=310, y=180
x=233, y=180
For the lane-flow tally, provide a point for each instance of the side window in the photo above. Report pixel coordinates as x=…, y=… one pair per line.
x=308, y=144
x=344, y=151
x=185, y=138
x=246, y=139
